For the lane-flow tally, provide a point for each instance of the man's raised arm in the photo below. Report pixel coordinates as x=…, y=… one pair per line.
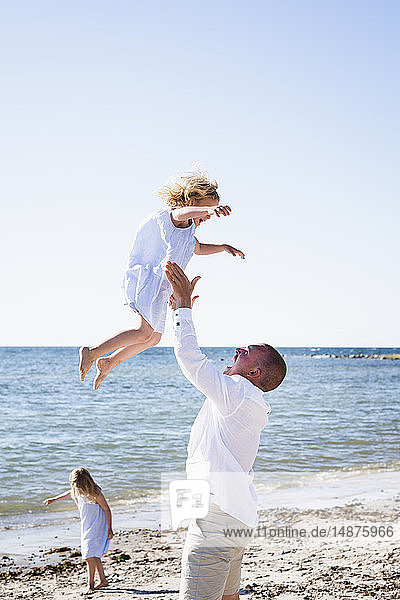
x=197, y=368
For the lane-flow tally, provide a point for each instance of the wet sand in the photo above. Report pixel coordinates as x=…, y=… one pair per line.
x=280, y=562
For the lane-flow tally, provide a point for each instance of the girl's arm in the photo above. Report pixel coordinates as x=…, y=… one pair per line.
x=192, y=212
x=202, y=212
x=60, y=497
x=204, y=249
x=104, y=505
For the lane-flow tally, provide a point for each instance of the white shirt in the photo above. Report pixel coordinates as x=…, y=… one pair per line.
x=225, y=435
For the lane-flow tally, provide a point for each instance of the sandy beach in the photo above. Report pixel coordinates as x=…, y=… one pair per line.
x=349, y=551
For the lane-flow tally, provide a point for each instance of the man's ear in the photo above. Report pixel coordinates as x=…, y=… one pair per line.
x=254, y=373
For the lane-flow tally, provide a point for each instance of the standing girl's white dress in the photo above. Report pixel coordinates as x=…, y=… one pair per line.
x=145, y=288
x=94, y=529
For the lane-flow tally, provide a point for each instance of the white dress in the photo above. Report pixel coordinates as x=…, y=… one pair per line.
x=94, y=529
x=145, y=288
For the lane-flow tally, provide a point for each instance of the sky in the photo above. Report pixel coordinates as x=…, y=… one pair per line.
x=292, y=106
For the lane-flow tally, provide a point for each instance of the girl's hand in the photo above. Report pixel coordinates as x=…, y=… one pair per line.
x=222, y=211
x=233, y=251
x=48, y=501
x=110, y=534
x=199, y=220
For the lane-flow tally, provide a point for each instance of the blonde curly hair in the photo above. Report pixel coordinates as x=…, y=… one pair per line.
x=187, y=189
x=83, y=484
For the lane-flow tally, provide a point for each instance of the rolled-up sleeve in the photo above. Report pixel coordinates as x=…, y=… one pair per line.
x=222, y=390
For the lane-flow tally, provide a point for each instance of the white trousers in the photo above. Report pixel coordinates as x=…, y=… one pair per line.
x=212, y=556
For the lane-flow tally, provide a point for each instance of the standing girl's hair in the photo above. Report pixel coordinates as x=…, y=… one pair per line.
x=83, y=484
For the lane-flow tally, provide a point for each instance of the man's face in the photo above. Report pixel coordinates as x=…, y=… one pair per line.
x=245, y=360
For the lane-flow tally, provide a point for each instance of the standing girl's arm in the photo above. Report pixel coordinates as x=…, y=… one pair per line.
x=63, y=496
x=203, y=249
x=103, y=503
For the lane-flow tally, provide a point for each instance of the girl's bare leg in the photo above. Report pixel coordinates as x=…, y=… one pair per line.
x=102, y=577
x=91, y=568
x=126, y=338
x=108, y=363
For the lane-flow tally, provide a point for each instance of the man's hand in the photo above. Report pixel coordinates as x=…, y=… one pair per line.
x=233, y=251
x=181, y=286
x=48, y=501
x=172, y=301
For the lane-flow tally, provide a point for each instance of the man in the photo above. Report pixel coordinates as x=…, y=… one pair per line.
x=223, y=445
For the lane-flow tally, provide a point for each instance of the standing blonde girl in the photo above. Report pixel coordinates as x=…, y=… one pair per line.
x=167, y=235
x=96, y=522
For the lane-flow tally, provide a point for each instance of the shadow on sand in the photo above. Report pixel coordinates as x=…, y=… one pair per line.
x=108, y=590
x=115, y=590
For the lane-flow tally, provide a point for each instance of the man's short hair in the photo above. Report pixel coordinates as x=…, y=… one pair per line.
x=273, y=369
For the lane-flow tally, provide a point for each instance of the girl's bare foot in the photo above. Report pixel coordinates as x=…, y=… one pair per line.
x=85, y=361
x=90, y=589
x=104, y=366
x=103, y=583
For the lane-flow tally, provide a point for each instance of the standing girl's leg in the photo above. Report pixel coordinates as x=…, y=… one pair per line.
x=102, y=577
x=126, y=338
x=108, y=363
x=91, y=567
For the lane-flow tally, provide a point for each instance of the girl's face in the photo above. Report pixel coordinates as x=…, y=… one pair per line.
x=204, y=202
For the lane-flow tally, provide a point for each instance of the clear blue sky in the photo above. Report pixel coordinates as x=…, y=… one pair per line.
x=291, y=105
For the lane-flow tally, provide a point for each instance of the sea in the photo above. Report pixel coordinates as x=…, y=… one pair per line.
x=333, y=433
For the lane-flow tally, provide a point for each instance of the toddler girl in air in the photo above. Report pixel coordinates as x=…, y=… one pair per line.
x=167, y=235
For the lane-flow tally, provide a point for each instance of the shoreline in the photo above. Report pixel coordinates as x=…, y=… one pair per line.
x=27, y=544
x=145, y=563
